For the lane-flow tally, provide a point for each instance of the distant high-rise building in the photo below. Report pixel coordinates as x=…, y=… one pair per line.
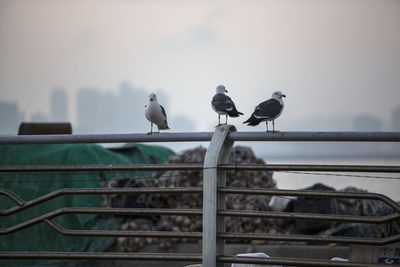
x=59, y=105
x=396, y=119
x=88, y=108
x=366, y=122
x=106, y=112
x=131, y=102
x=39, y=117
x=10, y=117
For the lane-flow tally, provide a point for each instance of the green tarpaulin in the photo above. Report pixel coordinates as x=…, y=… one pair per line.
x=40, y=237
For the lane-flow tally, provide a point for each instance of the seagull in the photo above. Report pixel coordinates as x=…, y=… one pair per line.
x=268, y=110
x=223, y=105
x=155, y=113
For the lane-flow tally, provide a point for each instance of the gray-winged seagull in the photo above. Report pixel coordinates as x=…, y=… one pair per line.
x=223, y=105
x=155, y=113
x=268, y=110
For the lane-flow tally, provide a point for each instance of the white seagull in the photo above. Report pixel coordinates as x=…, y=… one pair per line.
x=268, y=110
x=155, y=113
x=223, y=105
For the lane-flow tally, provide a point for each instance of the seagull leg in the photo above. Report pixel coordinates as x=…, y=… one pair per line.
x=266, y=123
x=151, y=129
x=226, y=118
x=219, y=119
x=273, y=127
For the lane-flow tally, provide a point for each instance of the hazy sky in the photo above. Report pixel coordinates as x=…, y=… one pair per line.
x=329, y=57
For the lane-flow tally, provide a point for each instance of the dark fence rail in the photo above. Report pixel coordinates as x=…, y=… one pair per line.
x=203, y=137
x=226, y=167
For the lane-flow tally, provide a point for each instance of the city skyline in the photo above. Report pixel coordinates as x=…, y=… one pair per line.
x=106, y=112
x=94, y=108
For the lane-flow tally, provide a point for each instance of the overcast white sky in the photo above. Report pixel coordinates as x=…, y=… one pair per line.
x=330, y=57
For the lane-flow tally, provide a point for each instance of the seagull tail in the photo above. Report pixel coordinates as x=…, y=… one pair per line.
x=252, y=121
x=235, y=113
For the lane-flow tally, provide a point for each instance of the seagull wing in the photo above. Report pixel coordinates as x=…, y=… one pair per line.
x=224, y=103
x=268, y=109
x=163, y=112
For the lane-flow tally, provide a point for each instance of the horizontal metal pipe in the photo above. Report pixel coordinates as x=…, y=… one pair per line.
x=109, y=167
x=88, y=191
x=102, y=256
x=311, y=193
x=309, y=238
x=308, y=167
x=174, y=257
x=199, y=166
x=238, y=236
x=105, y=138
x=291, y=262
x=113, y=211
x=309, y=216
x=112, y=233
x=131, y=211
x=202, y=136
x=342, y=136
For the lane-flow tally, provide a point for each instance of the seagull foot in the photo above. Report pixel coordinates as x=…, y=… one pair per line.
x=149, y=133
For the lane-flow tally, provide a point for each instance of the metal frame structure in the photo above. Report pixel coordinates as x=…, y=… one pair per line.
x=214, y=191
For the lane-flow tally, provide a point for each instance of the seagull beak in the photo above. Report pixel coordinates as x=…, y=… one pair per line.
x=151, y=99
x=283, y=95
x=226, y=91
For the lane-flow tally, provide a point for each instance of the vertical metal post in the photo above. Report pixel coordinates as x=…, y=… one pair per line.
x=217, y=153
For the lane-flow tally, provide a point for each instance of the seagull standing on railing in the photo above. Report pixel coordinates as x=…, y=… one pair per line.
x=268, y=110
x=223, y=105
x=155, y=113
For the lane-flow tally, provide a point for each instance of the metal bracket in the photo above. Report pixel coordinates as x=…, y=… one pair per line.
x=217, y=153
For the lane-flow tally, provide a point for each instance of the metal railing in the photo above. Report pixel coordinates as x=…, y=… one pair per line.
x=214, y=192
x=203, y=136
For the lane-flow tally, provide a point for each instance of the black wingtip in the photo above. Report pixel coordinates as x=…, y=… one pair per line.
x=234, y=113
x=252, y=121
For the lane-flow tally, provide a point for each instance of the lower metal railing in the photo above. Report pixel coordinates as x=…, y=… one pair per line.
x=214, y=196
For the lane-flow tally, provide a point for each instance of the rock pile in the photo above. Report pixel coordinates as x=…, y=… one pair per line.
x=250, y=179
x=192, y=178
